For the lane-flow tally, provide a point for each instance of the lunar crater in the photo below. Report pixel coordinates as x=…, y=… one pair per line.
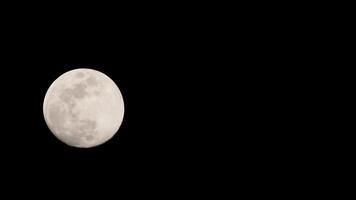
x=79, y=75
x=91, y=81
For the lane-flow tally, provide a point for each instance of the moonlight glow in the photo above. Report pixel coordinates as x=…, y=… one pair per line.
x=83, y=108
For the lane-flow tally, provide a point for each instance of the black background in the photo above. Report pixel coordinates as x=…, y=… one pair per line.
x=207, y=99
x=163, y=66
x=186, y=74
x=216, y=98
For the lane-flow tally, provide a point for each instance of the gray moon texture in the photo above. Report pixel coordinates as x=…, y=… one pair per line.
x=83, y=108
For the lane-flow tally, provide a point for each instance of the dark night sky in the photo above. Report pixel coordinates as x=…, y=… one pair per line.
x=165, y=70
x=152, y=67
x=209, y=93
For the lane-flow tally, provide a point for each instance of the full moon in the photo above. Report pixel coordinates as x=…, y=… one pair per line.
x=83, y=108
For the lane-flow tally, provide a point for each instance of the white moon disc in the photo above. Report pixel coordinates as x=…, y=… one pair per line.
x=83, y=108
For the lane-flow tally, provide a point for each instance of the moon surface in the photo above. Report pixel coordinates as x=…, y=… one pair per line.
x=83, y=108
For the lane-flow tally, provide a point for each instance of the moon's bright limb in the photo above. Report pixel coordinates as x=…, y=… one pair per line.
x=83, y=108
